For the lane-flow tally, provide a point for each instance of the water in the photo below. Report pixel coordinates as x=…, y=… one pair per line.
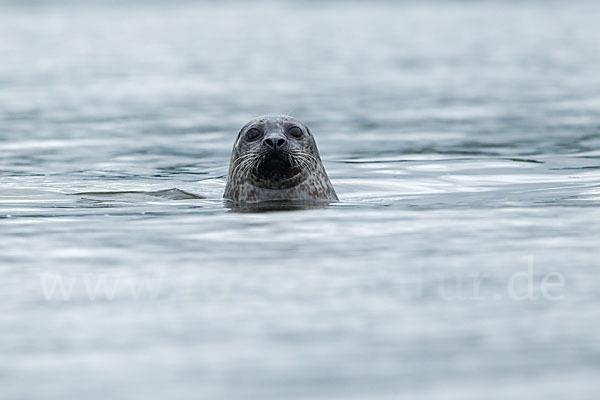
x=461, y=262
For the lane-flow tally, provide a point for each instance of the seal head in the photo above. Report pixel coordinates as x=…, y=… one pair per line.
x=276, y=158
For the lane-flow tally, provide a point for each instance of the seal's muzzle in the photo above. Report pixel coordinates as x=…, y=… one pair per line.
x=276, y=166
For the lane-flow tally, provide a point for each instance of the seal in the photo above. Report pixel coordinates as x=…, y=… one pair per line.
x=275, y=157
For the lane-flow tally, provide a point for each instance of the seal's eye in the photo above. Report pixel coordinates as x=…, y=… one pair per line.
x=252, y=133
x=295, y=131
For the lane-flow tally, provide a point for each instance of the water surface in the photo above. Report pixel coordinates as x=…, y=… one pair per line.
x=462, y=139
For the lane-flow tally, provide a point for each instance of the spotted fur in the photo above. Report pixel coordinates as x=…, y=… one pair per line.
x=311, y=183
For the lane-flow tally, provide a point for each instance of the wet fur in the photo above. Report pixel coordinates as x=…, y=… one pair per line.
x=301, y=175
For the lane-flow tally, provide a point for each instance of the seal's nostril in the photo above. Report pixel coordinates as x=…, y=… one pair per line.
x=274, y=143
x=269, y=143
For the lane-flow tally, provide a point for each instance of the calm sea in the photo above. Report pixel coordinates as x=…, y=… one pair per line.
x=462, y=137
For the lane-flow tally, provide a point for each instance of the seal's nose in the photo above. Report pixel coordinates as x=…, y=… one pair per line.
x=274, y=143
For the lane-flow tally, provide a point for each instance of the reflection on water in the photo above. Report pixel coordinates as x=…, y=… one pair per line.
x=462, y=139
x=275, y=205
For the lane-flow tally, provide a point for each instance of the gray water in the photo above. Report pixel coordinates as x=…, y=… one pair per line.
x=462, y=137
